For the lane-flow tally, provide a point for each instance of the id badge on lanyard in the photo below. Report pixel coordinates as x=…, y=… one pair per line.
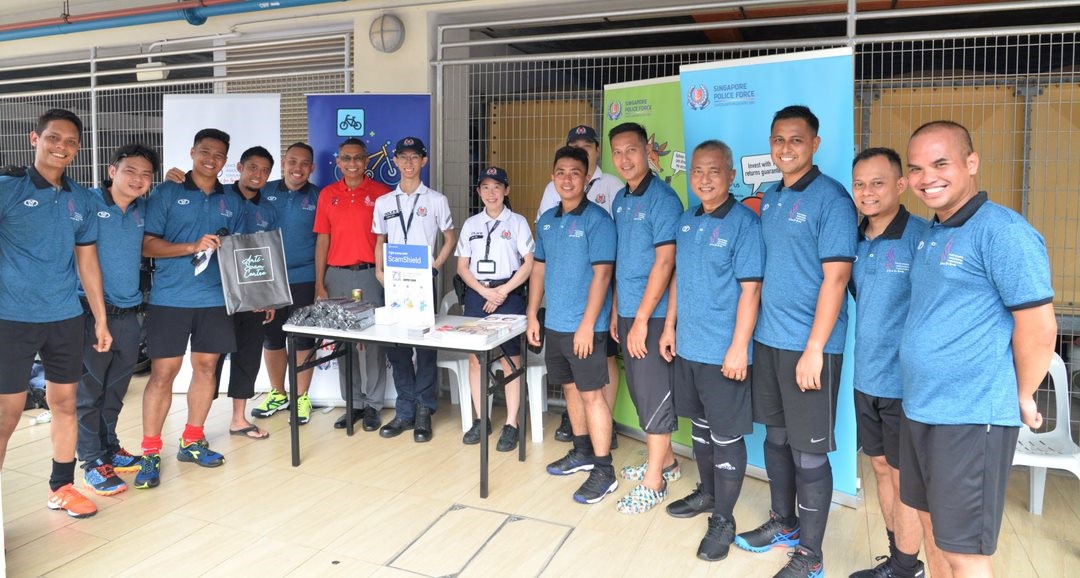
x=487, y=265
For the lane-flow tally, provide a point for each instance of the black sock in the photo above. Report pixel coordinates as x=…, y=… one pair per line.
x=892, y=541
x=703, y=456
x=815, y=496
x=583, y=444
x=781, y=471
x=728, y=474
x=604, y=463
x=904, y=565
x=62, y=474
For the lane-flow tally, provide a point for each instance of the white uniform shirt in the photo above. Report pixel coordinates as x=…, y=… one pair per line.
x=601, y=189
x=511, y=241
x=427, y=209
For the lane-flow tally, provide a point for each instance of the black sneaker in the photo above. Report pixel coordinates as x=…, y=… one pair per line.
x=717, y=541
x=885, y=570
x=803, y=564
x=564, y=433
x=601, y=482
x=573, y=461
x=697, y=502
x=422, y=431
x=472, y=437
x=771, y=534
x=508, y=439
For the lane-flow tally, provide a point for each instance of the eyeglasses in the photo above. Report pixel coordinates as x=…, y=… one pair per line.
x=352, y=158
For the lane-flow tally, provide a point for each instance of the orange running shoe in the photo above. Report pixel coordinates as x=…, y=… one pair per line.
x=69, y=499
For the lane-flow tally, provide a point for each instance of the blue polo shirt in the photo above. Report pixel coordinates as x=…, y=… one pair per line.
x=714, y=252
x=40, y=225
x=181, y=213
x=296, y=218
x=120, y=237
x=809, y=223
x=259, y=216
x=881, y=286
x=575, y=241
x=645, y=219
x=969, y=274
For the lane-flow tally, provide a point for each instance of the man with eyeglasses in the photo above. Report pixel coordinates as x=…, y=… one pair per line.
x=345, y=260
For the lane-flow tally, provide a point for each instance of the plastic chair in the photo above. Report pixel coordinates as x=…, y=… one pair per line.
x=1053, y=449
x=457, y=365
x=535, y=373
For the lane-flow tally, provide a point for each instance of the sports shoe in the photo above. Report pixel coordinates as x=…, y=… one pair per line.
x=640, y=499
x=68, y=499
x=303, y=409
x=149, y=475
x=508, y=439
x=803, y=564
x=472, y=437
x=697, y=502
x=637, y=473
x=124, y=463
x=768, y=535
x=600, y=483
x=573, y=461
x=717, y=541
x=199, y=452
x=274, y=402
x=564, y=433
x=100, y=477
x=885, y=570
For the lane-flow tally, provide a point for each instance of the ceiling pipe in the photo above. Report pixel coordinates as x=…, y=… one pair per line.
x=195, y=12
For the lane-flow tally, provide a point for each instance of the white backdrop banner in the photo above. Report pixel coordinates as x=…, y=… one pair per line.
x=250, y=120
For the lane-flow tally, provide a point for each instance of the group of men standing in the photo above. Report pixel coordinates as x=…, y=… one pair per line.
x=724, y=317
x=727, y=318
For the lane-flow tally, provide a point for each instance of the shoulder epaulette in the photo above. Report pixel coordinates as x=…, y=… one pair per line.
x=12, y=171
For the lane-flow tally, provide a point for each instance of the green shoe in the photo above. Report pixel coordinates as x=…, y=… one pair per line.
x=303, y=409
x=274, y=402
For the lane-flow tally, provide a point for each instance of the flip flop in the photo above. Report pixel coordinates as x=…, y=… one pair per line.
x=246, y=432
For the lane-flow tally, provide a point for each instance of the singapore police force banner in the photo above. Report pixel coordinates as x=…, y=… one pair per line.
x=734, y=101
x=379, y=120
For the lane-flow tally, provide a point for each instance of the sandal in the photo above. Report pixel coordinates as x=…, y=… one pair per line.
x=252, y=432
x=641, y=499
x=637, y=473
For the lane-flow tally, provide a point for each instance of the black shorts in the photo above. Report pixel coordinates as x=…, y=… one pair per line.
x=809, y=416
x=702, y=392
x=60, y=344
x=878, y=422
x=649, y=380
x=959, y=474
x=168, y=329
x=303, y=294
x=563, y=367
x=514, y=304
x=612, y=346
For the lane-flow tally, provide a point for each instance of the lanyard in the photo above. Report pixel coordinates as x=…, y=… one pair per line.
x=412, y=212
x=487, y=245
x=588, y=187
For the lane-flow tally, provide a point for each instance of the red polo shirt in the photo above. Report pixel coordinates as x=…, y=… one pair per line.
x=345, y=214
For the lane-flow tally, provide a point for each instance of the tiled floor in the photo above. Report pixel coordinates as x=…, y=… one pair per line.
x=365, y=506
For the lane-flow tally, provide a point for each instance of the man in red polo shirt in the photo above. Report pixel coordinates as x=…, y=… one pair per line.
x=345, y=260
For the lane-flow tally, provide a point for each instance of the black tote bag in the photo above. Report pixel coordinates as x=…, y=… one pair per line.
x=253, y=272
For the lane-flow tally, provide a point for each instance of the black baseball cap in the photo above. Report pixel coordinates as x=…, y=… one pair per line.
x=582, y=131
x=496, y=174
x=410, y=143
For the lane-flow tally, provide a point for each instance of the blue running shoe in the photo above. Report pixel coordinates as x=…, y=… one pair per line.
x=773, y=533
x=100, y=477
x=199, y=452
x=573, y=461
x=125, y=463
x=803, y=564
x=149, y=475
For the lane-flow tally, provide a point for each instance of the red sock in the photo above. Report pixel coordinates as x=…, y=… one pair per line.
x=192, y=433
x=151, y=445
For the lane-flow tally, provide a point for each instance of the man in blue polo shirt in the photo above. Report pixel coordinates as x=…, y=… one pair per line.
x=183, y=221
x=646, y=212
x=47, y=233
x=121, y=214
x=295, y=199
x=712, y=310
x=976, y=345
x=579, y=237
x=809, y=226
x=881, y=286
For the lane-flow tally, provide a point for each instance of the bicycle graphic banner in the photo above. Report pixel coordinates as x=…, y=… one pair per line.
x=379, y=120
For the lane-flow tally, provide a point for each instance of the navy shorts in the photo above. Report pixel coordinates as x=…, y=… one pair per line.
x=514, y=304
x=60, y=344
x=878, y=423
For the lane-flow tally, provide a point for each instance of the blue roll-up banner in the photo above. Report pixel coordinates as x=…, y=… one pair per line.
x=377, y=119
x=734, y=101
